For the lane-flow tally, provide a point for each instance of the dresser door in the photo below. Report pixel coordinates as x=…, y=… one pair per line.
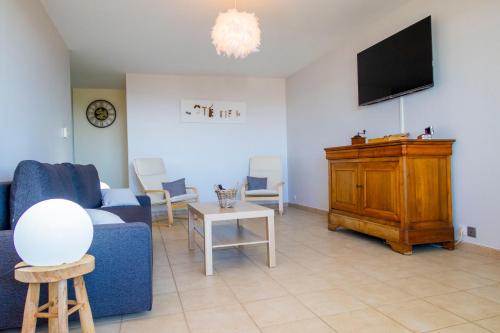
x=344, y=190
x=379, y=190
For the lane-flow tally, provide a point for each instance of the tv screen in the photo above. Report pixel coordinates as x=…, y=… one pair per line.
x=398, y=65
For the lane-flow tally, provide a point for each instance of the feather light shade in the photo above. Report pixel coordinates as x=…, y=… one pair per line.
x=236, y=34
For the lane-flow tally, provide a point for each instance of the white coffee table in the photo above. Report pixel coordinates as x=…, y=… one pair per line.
x=210, y=213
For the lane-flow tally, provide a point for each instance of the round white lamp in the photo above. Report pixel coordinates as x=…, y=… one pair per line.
x=104, y=186
x=53, y=232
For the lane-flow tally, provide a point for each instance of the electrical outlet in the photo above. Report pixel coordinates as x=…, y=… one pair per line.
x=471, y=232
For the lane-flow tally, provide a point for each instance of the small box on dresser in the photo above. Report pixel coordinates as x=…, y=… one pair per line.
x=399, y=191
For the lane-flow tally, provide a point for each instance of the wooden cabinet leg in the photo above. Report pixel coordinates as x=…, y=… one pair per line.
x=31, y=308
x=401, y=247
x=85, y=311
x=449, y=245
x=53, y=304
x=62, y=306
x=332, y=225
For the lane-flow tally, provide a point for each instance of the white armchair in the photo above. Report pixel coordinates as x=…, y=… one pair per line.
x=151, y=174
x=271, y=168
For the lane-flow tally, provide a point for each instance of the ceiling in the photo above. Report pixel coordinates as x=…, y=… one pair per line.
x=109, y=38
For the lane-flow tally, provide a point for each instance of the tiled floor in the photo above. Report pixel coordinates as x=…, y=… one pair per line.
x=324, y=282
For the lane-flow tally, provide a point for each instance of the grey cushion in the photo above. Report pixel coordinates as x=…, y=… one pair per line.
x=175, y=188
x=256, y=183
x=118, y=197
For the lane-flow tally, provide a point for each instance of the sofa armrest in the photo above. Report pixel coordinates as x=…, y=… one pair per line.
x=122, y=280
x=144, y=200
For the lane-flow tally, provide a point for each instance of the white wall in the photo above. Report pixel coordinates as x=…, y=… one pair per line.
x=35, y=95
x=106, y=148
x=206, y=154
x=464, y=104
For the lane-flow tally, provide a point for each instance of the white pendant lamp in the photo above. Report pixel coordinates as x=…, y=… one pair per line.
x=53, y=232
x=236, y=34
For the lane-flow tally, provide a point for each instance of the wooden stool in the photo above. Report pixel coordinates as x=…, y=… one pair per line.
x=57, y=307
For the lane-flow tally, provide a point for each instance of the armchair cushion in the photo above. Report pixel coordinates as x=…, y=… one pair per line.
x=256, y=183
x=175, y=188
x=118, y=197
x=184, y=197
x=261, y=193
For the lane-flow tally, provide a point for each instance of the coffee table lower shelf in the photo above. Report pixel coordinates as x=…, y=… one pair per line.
x=210, y=213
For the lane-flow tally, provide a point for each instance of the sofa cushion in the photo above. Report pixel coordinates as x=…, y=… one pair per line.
x=34, y=182
x=114, y=197
x=99, y=216
x=86, y=183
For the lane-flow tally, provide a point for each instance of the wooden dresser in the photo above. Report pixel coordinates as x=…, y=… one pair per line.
x=399, y=191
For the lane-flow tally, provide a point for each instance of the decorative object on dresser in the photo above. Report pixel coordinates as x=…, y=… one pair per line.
x=390, y=137
x=359, y=138
x=427, y=135
x=399, y=191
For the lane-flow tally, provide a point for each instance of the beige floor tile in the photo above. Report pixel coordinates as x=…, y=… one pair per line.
x=488, y=271
x=229, y=318
x=191, y=280
x=314, y=325
x=363, y=321
x=464, y=328
x=420, y=316
x=298, y=284
x=171, y=324
x=420, y=286
x=468, y=306
x=329, y=302
x=206, y=298
x=254, y=291
x=163, y=286
x=377, y=294
x=99, y=328
x=163, y=304
x=492, y=324
x=460, y=279
x=490, y=292
x=276, y=311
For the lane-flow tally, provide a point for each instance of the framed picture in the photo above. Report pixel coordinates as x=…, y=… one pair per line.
x=208, y=111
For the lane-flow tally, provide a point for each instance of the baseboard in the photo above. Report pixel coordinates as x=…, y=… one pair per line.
x=469, y=247
x=479, y=249
x=308, y=209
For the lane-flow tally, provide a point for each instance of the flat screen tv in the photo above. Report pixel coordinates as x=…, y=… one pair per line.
x=398, y=65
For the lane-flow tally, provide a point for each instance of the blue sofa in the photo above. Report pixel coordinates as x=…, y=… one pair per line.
x=122, y=280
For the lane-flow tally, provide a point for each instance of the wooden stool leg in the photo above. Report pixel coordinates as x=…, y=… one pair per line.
x=31, y=308
x=62, y=306
x=85, y=311
x=53, y=304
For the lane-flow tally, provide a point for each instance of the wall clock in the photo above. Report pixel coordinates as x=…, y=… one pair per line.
x=101, y=113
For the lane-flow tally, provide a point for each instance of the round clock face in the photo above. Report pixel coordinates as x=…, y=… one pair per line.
x=101, y=113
